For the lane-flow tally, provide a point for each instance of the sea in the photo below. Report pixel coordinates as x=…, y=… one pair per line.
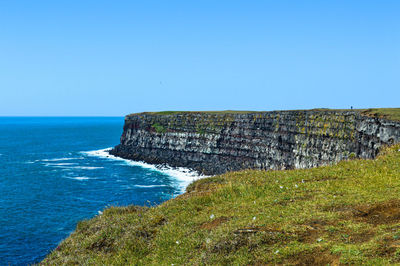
x=56, y=171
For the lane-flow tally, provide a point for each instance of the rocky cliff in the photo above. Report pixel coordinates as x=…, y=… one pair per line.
x=216, y=142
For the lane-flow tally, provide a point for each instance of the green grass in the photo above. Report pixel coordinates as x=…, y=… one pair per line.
x=388, y=113
x=347, y=213
x=196, y=112
x=159, y=128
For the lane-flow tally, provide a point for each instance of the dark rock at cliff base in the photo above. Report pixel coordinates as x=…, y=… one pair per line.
x=214, y=143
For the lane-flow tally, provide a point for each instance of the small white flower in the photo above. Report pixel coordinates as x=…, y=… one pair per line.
x=254, y=218
x=277, y=251
x=254, y=202
x=212, y=216
x=319, y=240
x=302, y=181
x=208, y=241
x=177, y=242
x=280, y=187
x=296, y=186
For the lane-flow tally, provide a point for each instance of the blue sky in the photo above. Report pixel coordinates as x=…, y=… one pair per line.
x=117, y=57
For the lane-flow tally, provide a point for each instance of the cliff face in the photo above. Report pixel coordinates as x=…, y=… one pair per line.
x=213, y=143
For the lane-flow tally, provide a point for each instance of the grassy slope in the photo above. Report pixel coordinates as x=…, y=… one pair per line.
x=347, y=213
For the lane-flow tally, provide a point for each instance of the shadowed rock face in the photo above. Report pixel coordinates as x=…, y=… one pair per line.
x=213, y=143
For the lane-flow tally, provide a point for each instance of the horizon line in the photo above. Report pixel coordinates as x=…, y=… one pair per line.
x=50, y=116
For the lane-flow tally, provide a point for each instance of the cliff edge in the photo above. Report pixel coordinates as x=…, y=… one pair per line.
x=218, y=142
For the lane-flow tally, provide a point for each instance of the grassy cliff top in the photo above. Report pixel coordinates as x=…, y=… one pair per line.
x=197, y=112
x=387, y=113
x=346, y=213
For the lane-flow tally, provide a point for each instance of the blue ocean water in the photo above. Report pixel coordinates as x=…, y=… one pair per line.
x=55, y=172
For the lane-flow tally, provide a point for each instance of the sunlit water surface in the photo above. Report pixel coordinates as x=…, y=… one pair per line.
x=55, y=172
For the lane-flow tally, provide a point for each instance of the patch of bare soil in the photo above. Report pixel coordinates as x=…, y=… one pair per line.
x=103, y=244
x=269, y=236
x=228, y=245
x=245, y=237
x=316, y=257
x=314, y=230
x=214, y=223
x=387, y=212
x=356, y=238
x=286, y=202
x=388, y=246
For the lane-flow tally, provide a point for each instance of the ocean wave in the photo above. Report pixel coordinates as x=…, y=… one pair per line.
x=102, y=153
x=184, y=175
x=150, y=186
x=66, y=166
x=61, y=159
x=88, y=167
x=80, y=178
x=58, y=164
x=49, y=161
x=85, y=167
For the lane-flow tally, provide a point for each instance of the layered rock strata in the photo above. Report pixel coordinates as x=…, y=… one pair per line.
x=217, y=142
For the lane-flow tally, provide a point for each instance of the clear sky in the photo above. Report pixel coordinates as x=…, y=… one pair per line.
x=117, y=57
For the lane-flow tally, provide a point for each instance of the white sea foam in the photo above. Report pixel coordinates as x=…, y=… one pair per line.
x=84, y=167
x=80, y=178
x=103, y=153
x=149, y=186
x=66, y=166
x=184, y=175
x=49, y=161
x=61, y=159
x=58, y=164
x=89, y=167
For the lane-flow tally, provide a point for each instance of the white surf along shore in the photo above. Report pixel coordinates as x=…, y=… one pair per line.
x=184, y=175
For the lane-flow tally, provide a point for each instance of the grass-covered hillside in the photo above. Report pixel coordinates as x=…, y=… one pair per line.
x=343, y=214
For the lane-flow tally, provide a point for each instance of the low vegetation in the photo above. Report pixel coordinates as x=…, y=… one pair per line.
x=387, y=113
x=348, y=213
x=194, y=112
x=158, y=128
